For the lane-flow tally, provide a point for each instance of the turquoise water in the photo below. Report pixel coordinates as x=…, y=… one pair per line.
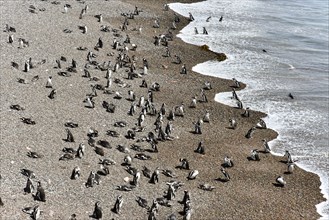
x=295, y=36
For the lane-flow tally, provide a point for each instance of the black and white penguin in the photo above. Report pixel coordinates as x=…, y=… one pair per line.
x=280, y=181
x=118, y=205
x=98, y=211
x=193, y=174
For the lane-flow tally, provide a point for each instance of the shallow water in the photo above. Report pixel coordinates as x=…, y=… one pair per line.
x=295, y=37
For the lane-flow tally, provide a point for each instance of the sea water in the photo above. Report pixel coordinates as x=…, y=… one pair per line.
x=276, y=47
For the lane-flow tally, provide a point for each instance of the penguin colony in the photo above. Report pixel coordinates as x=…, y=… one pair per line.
x=149, y=122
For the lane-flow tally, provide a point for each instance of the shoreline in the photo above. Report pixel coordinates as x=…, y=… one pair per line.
x=50, y=116
x=320, y=206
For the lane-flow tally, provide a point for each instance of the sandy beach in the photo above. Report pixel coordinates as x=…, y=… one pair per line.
x=251, y=192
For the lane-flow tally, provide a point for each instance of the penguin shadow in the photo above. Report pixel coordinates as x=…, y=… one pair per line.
x=278, y=185
x=181, y=212
x=67, y=140
x=226, y=166
x=193, y=132
x=93, y=216
x=263, y=152
x=283, y=161
x=251, y=159
x=221, y=180
x=287, y=173
x=180, y=167
x=229, y=127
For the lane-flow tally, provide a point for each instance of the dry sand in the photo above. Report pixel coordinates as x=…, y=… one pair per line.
x=249, y=195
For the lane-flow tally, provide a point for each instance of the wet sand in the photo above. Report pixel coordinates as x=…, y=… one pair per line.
x=250, y=194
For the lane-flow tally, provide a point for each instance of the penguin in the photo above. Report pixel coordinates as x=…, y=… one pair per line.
x=250, y=132
x=261, y=124
x=69, y=135
x=65, y=8
x=197, y=127
x=206, y=187
x=203, y=96
x=204, y=31
x=99, y=43
x=193, y=102
x=100, y=18
x=228, y=162
x=107, y=162
x=89, y=103
x=40, y=194
x=226, y=175
x=91, y=180
x=236, y=83
x=183, y=69
x=92, y=132
x=118, y=205
x=52, y=94
x=221, y=19
x=184, y=164
x=74, y=64
x=173, y=25
x=131, y=96
x=178, y=60
x=254, y=155
x=246, y=113
x=280, y=181
x=28, y=173
x=166, y=7
x=127, y=160
x=49, y=83
x=82, y=13
x=84, y=29
x=29, y=188
x=108, y=73
x=155, y=176
x=233, y=124
x=200, y=149
x=11, y=39
x=267, y=148
x=289, y=158
x=290, y=168
x=170, y=192
x=191, y=18
x=169, y=128
x=186, y=197
x=208, y=19
x=141, y=101
x=291, y=96
x=36, y=213
x=156, y=23
x=206, y=117
x=75, y=173
x=136, y=179
x=81, y=150
x=196, y=30
x=142, y=202
x=146, y=172
x=193, y=174
x=67, y=156
x=98, y=211
x=207, y=86
x=239, y=104
x=26, y=67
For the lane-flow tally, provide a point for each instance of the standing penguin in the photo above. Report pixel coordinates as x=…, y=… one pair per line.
x=98, y=211
x=40, y=194
x=118, y=205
